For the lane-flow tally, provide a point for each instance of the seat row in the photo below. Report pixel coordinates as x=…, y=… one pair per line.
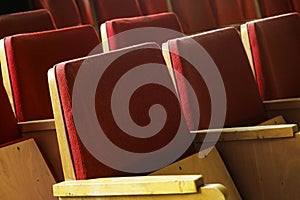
x=26, y=58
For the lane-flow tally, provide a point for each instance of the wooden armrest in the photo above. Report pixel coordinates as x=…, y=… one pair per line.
x=282, y=104
x=249, y=133
x=37, y=125
x=142, y=185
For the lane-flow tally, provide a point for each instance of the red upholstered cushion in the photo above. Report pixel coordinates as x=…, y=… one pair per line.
x=162, y=20
x=29, y=57
x=249, y=9
x=228, y=12
x=65, y=13
x=244, y=106
x=149, y=7
x=25, y=22
x=275, y=45
x=273, y=7
x=194, y=15
x=8, y=124
x=86, y=14
x=87, y=166
x=296, y=5
x=112, y=9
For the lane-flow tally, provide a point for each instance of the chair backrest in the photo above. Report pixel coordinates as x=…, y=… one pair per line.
x=110, y=30
x=195, y=16
x=120, y=145
x=25, y=22
x=250, y=9
x=274, y=7
x=275, y=49
x=85, y=10
x=228, y=12
x=244, y=106
x=149, y=7
x=112, y=9
x=65, y=13
x=295, y=4
x=8, y=124
x=27, y=58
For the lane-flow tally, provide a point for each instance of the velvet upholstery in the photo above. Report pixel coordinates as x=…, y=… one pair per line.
x=29, y=56
x=149, y=7
x=274, y=7
x=86, y=166
x=25, y=22
x=65, y=13
x=295, y=4
x=163, y=20
x=112, y=9
x=85, y=10
x=275, y=45
x=194, y=15
x=249, y=9
x=244, y=106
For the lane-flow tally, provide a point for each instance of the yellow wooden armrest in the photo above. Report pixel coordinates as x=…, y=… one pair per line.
x=282, y=104
x=37, y=125
x=142, y=185
x=249, y=133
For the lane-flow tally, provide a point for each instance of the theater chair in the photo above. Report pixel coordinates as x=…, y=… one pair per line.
x=25, y=60
x=86, y=13
x=195, y=16
x=65, y=13
x=85, y=172
x=111, y=9
x=250, y=9
x=25, y=22
x=273, y=46
x=150, y=7
x=274, y=7
x=151, y=28
x=295, y=4
x=23, y=170
x=262, y=160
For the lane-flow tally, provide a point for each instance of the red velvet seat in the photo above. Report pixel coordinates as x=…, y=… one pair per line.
x=112, y=9
x=194, y=15
x=85, y=10
x=275, y=46
x=274, y=7
x=149, y=7
x=295, y=5
x=25, y=22
x=29, y=56
x=65, y=13
x=250, y=9
x=111, y=31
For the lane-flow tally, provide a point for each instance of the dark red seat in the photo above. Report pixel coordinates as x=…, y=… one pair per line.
x=149, y=7
x=85, y=10
x=274, y=7
x=250, y=9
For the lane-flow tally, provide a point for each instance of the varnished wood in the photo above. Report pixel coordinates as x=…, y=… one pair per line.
x=37, y=125
x=167, y=57
x=24, y=173
x=273, y=121
x=104, y=38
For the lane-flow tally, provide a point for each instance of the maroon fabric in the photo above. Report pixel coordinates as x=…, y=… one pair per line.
x=295, y=5
x=8, y=124
x=65, y=13
x=163, y=20
x=149, y=7
x=112, y=9
x=275, y=45
x=194, y=15
x=86, y=166
x=25, y=22
x=248, y=8
x=244, y=106
x=227, y=12
x=29, y=57
x=84, y=7
x=273, y=7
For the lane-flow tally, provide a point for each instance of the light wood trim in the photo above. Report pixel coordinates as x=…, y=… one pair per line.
x=62, y=138
x=24, y=172
x=5, y=74
x=37, y=125
x=169, y=5
x=273, y=121
x=104, y=38
x=282, y=104
x=143, y=185
x=250, y=133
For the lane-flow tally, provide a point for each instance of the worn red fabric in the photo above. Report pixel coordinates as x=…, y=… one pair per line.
x=25, y=22
x=29, y=56
x=275, y=46
x=65, y=13
x=163, y=20
x=85, y=9
x=273, y=7
x=149, y=7
x=112, y=9
x=244, y=105
x=86, y=166
x=195, y=16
